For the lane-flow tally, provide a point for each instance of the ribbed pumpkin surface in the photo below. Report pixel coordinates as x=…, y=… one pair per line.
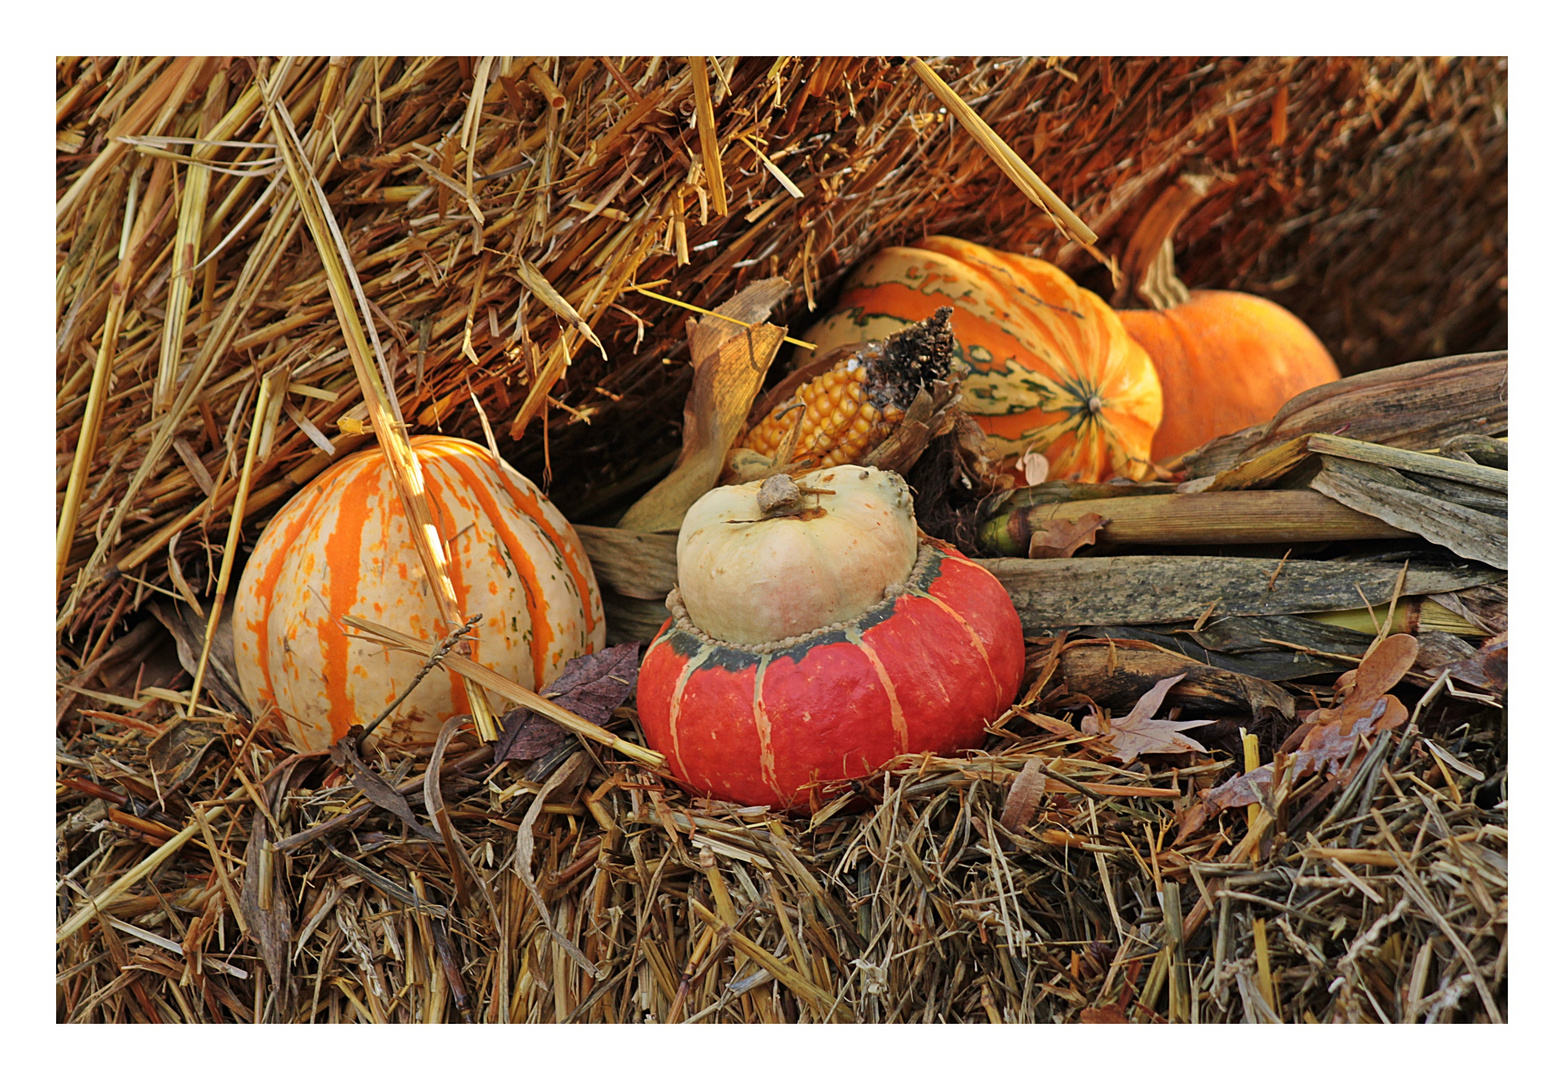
x=926, y=670
x=342, y=546
x=1052, y=368
x=1227, y=360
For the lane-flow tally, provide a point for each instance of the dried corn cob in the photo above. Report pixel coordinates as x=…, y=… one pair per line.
x=849, y=409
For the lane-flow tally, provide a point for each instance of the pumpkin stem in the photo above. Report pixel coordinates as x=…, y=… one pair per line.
x=1148, y=257
x=1161, y=286
x=779, y=495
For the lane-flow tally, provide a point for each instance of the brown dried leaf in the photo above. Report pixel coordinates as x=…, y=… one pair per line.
x=1151, y=700
x=1138, y=733
x=266, y=909
x=1488, y=668
x=176, y=754
x=1062, y=536
x=1381, y=669
x=189, y=634
x=344, y=754
x=591, y=686
x=526, y=736
x=1333, y=740
x=1025, y=793
x=1330, y=743
x=1245, y=789
x=1190, y=820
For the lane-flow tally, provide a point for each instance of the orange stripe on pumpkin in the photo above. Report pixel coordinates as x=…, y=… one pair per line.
x=898, y=717
x=977, y=641
x=692, y=665
x=288, y=526
x=564, y=541
x=768, y=754
x=359, y=497
x=542, y=629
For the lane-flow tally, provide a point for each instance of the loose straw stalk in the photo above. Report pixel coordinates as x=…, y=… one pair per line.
x=96, y=904
x=514, y=691
x=1008, y=160
x=235, y=522
x=406, y=473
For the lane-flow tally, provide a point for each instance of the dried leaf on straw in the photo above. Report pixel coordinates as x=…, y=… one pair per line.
x=1139, y=733
x=1382, y=667
x=374, y=786
x=1331, y=743
x=264, y=900
x=1488, y=668
x=1025, y=794
x=591, y=686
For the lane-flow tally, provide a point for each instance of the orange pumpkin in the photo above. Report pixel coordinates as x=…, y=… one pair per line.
x=1227, y=360
x=1052, y=370
x=342, y=546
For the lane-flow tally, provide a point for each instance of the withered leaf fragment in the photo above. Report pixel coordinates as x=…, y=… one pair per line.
x=1331, y=742
x=1138, y=733
x=1488, y=668
x=345, y=756
x=1025, y=794
x=1062, y=537
x=591, y=686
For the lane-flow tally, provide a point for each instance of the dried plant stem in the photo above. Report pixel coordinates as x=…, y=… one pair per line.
x=1251, y=763
x=1262, y=955
x=263, y=398
x=706, y=125
x=1008, y=160
x=406, y=473
x=91, y=907
x=92, y=419
x=437, y=654
x=262, y=262
x=514, y=691
x=148, y=116
x=87, y=440
x=187, y=251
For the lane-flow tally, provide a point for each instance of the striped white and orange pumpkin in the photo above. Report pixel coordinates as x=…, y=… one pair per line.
x=343, y=546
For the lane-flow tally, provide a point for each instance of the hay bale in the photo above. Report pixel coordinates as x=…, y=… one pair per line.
x=500, y=214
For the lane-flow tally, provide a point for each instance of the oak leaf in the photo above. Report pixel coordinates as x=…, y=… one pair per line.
x=1062, y=537
x=1331, y=743
x=1138, y=732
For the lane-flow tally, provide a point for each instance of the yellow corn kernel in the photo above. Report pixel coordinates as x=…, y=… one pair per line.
x=840, y=424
